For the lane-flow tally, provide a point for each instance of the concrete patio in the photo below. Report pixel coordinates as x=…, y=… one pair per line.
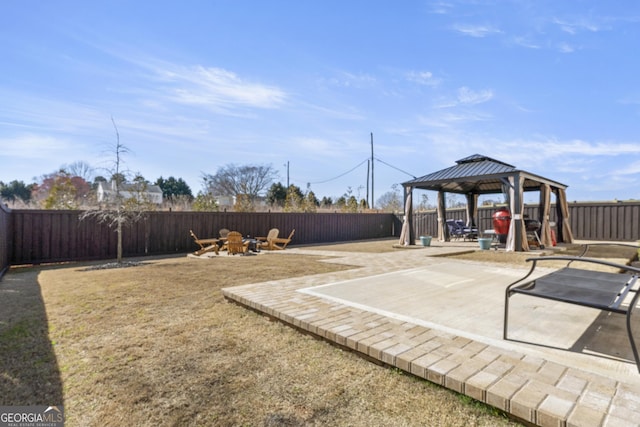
x=441, y=319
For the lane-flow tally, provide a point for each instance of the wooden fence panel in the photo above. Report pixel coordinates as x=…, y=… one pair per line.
x=38, y=236
x=589, y=221
x=5, y=242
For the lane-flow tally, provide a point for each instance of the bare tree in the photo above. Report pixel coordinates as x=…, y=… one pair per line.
x=81, y=169
x=61, y=190
x=126, y=204
x=391, y=200
x=245, y=183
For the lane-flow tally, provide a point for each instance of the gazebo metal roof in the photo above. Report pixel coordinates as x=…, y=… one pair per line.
x=477, y=174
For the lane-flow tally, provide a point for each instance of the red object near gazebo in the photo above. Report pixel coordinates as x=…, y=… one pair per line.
x=501, y=222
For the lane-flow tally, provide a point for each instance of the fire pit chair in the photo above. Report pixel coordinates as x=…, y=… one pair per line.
x=206, y=245
x=610, y=292
x=235, y=243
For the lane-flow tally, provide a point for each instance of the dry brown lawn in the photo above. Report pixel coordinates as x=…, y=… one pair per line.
x=157, y=344
x=618, y=254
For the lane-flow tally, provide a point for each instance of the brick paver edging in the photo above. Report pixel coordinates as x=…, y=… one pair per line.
x=530, y=388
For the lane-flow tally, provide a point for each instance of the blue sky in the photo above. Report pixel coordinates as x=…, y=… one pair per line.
x=550, y=87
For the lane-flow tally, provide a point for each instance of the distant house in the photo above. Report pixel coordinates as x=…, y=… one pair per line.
x=151, y=193
x=225, y=201
x=230, y=201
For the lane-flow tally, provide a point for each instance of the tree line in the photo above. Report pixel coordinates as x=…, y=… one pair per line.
x=242, y=188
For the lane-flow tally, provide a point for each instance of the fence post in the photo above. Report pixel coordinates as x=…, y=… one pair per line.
x=6, y=237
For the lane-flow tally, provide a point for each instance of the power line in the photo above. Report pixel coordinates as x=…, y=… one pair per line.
x=341, y=175
x=357, y=166
x=396, y=168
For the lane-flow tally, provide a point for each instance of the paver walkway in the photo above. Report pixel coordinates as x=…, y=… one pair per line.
x=442, y=320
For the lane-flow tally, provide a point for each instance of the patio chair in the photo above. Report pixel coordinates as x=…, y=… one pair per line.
x=280, y=243
x=267, y=241
x=458, y=229
x=470, y=233
x=206, y=245
x=235, y=243
x=606, y=291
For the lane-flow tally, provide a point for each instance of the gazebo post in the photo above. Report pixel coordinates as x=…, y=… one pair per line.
x=517, y=215
x=443, y=230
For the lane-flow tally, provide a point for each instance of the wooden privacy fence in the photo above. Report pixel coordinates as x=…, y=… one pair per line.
x=589, y=221
x=5, y=230
x=38, y=236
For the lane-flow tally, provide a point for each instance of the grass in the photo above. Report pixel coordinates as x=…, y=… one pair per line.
x=612, y=253
x=157, y=344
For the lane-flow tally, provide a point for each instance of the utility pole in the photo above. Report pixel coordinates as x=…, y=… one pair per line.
x=368, y=166
x=287, y=165
x=372, y=198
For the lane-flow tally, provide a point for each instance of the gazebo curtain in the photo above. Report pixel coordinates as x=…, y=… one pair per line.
x=516, y=215
x=545, y=208
x=443, y=230
x=523, y=228
x=405, y=234
x=511, y=235
x=472, y=209
x=564, y=230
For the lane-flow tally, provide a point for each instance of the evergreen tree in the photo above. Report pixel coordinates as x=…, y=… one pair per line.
x=16, y=190
x=277, y=194
x=310, y=203
x=295, y=199
x=172, y=188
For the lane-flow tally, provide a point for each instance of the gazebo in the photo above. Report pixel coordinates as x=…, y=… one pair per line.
x=478, y=174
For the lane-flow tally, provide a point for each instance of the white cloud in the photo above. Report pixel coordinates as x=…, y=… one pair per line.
x=450, y=119
x=577, y=26
x=465, y=96
x=558, y=159
x=218, y=88
x=526, y=42
x=632, y=169
x=423, y=77
x=573, y=157
x=336, y=111
x=441, y=8
x=563, y=148
x=347, y=79
x=470, y=97
x=32, y=146
x=565, y=47
x=477, y=31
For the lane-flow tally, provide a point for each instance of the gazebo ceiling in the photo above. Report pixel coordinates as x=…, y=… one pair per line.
x=478, y=174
